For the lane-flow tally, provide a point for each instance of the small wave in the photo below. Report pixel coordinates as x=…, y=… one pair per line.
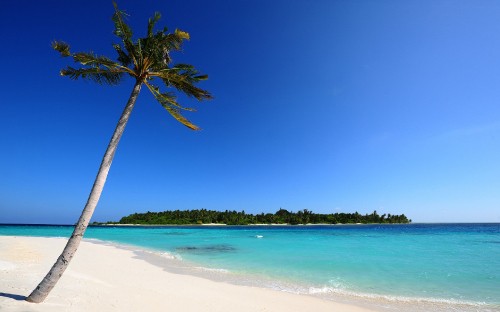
x=339, y=289
x=259, y=236
x=334, y=287
x=321, y=290
x=100, y=241
x=211, y=270
x=168, y=255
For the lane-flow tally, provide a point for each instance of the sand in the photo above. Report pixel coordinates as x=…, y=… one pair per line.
x=108, y=278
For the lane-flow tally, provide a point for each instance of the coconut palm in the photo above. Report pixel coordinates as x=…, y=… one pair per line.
x=146, y=60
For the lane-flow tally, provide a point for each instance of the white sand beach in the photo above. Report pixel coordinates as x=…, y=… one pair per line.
x=108, y=278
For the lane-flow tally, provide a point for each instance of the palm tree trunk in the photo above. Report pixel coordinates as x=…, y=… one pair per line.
x=50, y=280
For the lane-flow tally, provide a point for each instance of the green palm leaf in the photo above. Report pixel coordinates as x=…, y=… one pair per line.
x=101, y=76
x=62, y=48
x=89, y=59
x=168, y=101
x=124, y=32
x=184, y=80
x=152, y=22
x=173, y=41
x=123, y=57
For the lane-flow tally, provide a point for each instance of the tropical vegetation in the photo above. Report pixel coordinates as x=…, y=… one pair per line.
x=282, y=216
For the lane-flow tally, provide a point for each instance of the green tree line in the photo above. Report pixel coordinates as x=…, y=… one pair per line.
x=282, y=216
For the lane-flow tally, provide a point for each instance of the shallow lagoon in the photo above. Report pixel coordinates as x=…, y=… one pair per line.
x=417, y=267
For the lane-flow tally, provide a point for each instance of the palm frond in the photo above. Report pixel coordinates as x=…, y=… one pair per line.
x=183, y=77
x=191, y=71
x=168, y=101
x=188, y=89
x=182, y=34
x=173, y=41
x=152, y=22
x=157, y=47
x=99, y=75
x=124, y=32
x=61, y=47
x=123, y=57
x=168, y=97
x=90, y=59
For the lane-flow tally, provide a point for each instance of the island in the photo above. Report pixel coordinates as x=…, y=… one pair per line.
x=282, y=216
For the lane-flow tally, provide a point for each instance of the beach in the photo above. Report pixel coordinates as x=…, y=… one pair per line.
x=108, y=278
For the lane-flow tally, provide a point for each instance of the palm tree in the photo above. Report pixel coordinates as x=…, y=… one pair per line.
x=145, y=59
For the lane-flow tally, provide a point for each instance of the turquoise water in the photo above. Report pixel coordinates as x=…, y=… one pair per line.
x=415, y=267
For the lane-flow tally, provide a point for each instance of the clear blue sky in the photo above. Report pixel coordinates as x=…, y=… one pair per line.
x=329, y=105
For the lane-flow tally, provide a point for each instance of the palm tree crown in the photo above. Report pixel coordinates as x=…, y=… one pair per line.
x=145, y=59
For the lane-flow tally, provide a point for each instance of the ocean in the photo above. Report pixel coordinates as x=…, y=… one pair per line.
x=393, y=267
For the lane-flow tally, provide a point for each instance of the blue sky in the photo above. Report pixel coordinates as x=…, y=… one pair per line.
x=336, y=105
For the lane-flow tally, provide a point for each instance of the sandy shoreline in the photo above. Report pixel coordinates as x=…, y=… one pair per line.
x=108, y=278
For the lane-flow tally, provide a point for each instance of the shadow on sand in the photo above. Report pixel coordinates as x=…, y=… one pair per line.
x=13, y=296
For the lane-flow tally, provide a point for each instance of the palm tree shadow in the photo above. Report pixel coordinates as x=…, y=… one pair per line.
x=13, y=296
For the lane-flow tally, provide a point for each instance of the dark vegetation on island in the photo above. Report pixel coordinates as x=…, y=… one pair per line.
x=282, y=216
